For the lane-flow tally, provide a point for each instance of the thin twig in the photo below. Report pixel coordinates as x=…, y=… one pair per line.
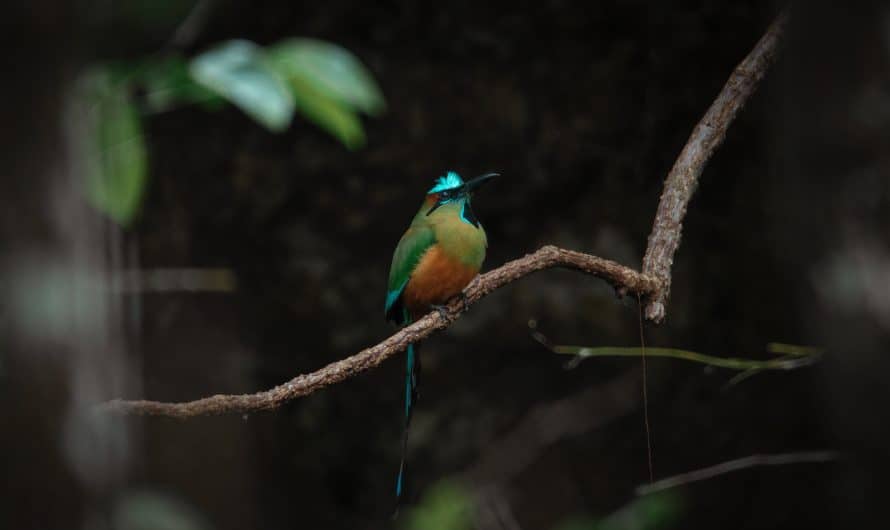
x=187, y=31
x=622, y=278
x=682, y=180
x=732, y=363
x=546, y=423
x=645, y=393
x=809, y=457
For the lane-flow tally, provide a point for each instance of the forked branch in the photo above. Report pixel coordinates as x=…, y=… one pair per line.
x=652, y=284
x=682, y=180
x=623, y=278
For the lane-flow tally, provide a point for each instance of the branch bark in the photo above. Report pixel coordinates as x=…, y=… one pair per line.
x=682, y=180
x=783, y=459
x=652, y=285
x=622, y=278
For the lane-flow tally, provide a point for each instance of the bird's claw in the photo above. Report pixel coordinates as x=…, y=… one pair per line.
x=443, y=311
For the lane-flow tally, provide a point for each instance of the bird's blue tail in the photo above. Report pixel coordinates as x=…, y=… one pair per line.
x=412, y=372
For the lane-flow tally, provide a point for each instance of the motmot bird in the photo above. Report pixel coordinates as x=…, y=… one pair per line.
x=439, y=254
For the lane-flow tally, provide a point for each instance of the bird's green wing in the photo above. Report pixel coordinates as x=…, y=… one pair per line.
x=414, y=243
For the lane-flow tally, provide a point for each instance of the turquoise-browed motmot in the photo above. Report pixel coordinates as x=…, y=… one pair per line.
x=436, y=258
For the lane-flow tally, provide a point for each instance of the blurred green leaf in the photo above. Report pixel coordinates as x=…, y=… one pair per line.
x=328, y=114
x=646, y=513
x=324, y=80
x=239, y=71
x=168, y=84
x=445, y=506
x=116, y=155
x=147, y=510
x=48, y=299
x=329, y=69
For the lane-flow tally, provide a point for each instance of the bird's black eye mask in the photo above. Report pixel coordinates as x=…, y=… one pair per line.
x=445, y=197
x=466, y=212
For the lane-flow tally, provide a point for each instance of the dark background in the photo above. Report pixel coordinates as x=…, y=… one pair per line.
x=583, y=108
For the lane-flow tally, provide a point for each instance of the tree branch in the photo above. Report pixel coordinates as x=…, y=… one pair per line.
x=731, y=363
x=782, y=459
x=682, y=180
x=622, y=278
x=653, y=284
x=546, y=423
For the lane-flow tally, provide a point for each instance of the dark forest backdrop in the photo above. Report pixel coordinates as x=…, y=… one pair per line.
x=583, y=107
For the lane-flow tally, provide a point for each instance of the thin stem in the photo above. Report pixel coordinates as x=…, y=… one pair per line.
x=732, y=363
x=808, y=457
x=645, y=392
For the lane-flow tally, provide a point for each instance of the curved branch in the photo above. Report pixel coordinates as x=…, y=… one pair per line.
x=781, y=459
x=624, y=279
x=653, y=284
x=682, y=180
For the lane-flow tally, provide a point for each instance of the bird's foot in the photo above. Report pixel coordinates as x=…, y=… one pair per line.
x=464, y=301
x=442, y=310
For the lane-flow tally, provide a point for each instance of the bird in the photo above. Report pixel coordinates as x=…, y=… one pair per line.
x=439, y=254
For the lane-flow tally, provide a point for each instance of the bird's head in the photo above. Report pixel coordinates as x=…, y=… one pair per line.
x=451, y=188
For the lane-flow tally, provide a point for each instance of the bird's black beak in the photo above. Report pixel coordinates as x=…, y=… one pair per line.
x=477, y=182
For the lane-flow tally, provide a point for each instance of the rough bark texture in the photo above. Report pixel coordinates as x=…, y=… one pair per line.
x=622, y=278
x=682, y=180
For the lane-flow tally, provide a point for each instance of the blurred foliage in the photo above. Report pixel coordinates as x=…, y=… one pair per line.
x=646, y=513
x=167, y=84
x=49, y=301
x=329, y=84
x=446, y=505
x=323, y=82
x=238, y=71
x=331, y=70
x=147, y=510
x=116, y=158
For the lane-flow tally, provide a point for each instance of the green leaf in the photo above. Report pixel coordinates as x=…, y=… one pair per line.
x=647, y=513
x=168, y=84
x=238, y=71
x=328, y=82
x=330, y=70
x=116, y=156
x=447, y=505
x=150, y=510
x=329, y=114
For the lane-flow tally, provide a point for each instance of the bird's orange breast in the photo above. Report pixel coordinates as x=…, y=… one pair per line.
x=436, y=278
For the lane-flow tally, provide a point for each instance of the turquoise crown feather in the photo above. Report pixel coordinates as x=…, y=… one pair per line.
x=448, y=181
